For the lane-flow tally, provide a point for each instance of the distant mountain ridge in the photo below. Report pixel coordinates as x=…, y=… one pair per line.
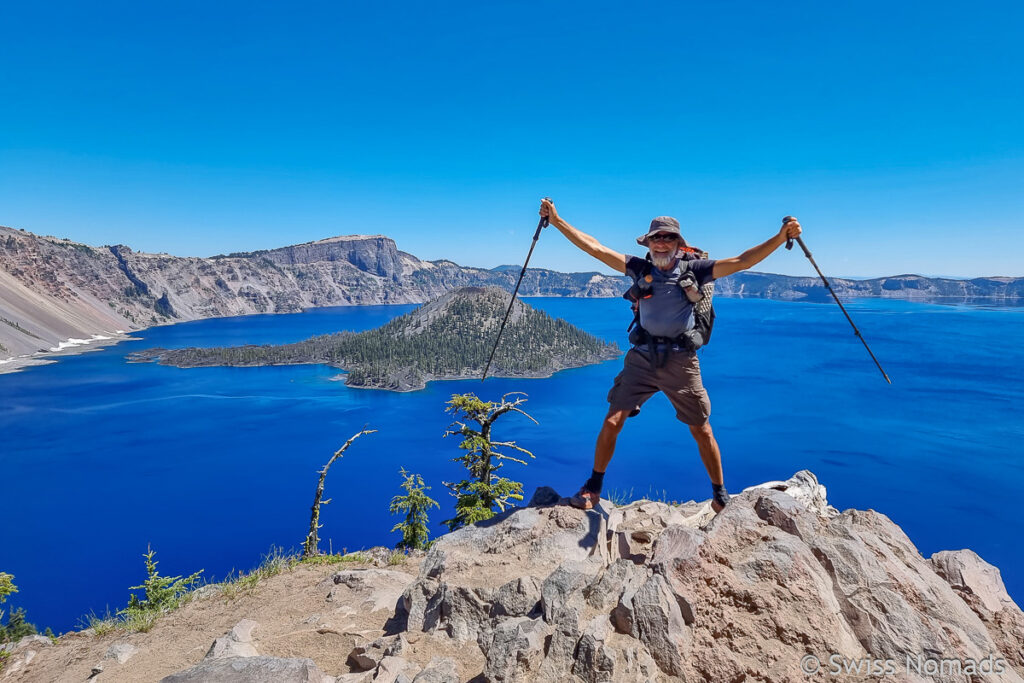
x=52, y=290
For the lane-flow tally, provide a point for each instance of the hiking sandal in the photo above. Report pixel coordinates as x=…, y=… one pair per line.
x=585, y=500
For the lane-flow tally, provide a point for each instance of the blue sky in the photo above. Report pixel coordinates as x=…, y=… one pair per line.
x=892, y=130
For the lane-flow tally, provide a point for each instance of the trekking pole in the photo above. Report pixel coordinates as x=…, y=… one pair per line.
x=540, y=226
x=807, y=253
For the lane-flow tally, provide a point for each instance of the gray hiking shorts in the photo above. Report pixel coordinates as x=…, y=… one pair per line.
x=678, y=378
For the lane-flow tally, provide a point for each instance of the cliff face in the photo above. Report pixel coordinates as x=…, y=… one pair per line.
x=780, y=587
x=52, y=289
x=374, y=254
x=912, y=287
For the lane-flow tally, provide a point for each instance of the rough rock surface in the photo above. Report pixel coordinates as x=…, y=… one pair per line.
x=651, y=591
x=981, y=586
x=367, y=590
x=237, y=642
x=644, y=592
x=20, y=655
x=121, y=652
x=252, y=670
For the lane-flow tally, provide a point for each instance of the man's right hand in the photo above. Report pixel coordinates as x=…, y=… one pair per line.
x=547, y=210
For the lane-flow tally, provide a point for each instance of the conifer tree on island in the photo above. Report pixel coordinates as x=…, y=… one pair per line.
x=414, y=504
x=478, y=496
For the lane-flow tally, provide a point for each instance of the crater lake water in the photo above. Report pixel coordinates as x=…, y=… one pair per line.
x=100, y=458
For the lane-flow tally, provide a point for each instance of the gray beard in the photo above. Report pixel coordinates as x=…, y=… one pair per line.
x=662, y=260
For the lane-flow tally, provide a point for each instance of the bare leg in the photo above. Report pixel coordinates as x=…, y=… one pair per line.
x=605, y=448
x=709, y=452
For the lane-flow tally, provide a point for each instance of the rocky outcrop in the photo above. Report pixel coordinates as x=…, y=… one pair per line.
x=651, y=591
x=780, y=587
x=16, y=657
x=252, y=670
x=981, y=587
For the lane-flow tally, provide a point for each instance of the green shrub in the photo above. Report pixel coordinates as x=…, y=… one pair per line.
x=16, y=627
x=414, y=504
x=161, y=595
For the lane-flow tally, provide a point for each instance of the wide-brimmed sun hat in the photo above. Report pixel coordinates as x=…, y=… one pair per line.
x=662, y=224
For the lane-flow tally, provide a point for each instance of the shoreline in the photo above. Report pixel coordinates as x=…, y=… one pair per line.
x=68, y=347
x=426, y=380
x=73, y=347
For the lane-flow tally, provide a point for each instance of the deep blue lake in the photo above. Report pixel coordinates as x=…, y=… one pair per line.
x=213, y=466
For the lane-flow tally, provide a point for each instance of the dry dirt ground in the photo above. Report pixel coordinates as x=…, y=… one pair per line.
x=295, y=620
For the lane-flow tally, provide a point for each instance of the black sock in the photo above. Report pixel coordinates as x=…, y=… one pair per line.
x=595, y=483
x=719, y=493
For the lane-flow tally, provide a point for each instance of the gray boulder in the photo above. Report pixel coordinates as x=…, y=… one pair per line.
x=518, y=598
x=515, y=650
x=368, y=590
x=368, y=656
x=660, y=625
x=438, y=670
x=981, y=587
x=251, y=670
x=804, y=488
x=968, y=574
x=237, y=642
x=544, y=495
x=121, y=652
x=594, y=661
x=395, y=670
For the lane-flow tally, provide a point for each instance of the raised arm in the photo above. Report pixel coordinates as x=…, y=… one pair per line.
x=587, y=243
x=751, y=257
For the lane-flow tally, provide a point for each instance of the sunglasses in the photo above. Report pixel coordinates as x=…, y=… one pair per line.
x=663, y=237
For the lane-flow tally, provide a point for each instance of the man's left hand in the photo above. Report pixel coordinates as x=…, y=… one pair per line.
x=790, y=229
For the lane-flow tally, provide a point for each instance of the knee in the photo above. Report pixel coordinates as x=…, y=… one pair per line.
x=614, y=421
x=702, y=433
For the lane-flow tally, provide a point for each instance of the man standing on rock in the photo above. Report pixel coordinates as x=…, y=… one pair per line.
x=666, y=313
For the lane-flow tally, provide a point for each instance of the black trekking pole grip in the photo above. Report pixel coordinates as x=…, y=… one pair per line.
x=789, y=240
x=543, y=222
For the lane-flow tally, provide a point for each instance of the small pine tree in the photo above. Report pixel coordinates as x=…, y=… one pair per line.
x=6, y=588
x=476, y=498
x=414, y=504
x=16, y=627
x=162, y=593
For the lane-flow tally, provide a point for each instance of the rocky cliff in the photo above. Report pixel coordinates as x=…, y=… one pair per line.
x=53, y=290
x=983, y=290
x=780, y=587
